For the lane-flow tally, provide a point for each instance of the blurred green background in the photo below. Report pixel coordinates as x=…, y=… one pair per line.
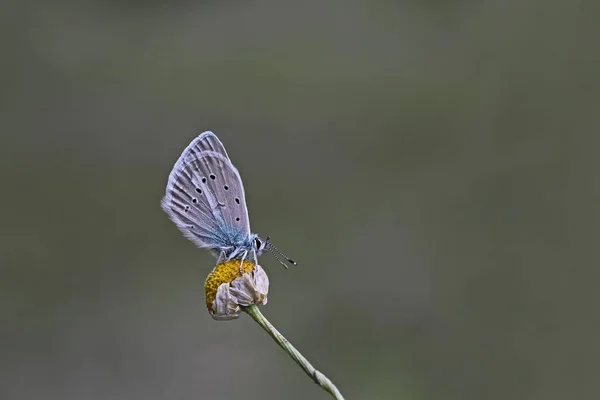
x=431, y=165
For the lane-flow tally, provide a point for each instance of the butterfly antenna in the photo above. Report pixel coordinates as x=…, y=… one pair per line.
x=276, y=253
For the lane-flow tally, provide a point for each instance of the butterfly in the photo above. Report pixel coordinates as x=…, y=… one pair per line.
x=205, y=199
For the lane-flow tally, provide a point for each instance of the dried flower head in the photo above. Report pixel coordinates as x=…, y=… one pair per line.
x=234, y=284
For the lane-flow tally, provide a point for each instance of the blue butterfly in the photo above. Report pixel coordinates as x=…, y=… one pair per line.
x=205, y=199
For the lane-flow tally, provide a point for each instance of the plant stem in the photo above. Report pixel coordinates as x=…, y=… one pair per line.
x=316, y=376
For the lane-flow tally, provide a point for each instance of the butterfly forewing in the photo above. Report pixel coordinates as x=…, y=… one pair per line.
x=224, y=185
x=208, y=141
x=205, y=196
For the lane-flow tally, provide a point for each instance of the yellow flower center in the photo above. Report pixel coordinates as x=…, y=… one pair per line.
x=224, y=273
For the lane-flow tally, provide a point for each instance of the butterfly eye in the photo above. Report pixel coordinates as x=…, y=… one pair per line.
x=258, y=243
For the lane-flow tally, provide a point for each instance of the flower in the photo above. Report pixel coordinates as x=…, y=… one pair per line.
x=234, y=284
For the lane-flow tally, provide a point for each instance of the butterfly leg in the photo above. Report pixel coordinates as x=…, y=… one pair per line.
x=242, y=262
x=222, y=258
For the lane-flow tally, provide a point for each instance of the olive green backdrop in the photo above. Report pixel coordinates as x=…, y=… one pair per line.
x=432, y=166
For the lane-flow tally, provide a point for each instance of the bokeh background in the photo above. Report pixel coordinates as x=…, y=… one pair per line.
x=432, y=165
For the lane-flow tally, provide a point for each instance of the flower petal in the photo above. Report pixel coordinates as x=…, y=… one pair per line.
x=224, y=307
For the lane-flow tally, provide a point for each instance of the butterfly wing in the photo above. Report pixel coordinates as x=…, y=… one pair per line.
x=208, y=141
x=205, y=196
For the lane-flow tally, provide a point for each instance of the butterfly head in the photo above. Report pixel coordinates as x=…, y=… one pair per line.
x=260, y=245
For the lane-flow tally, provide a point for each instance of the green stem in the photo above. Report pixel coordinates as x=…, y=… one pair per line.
x=316, y=376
